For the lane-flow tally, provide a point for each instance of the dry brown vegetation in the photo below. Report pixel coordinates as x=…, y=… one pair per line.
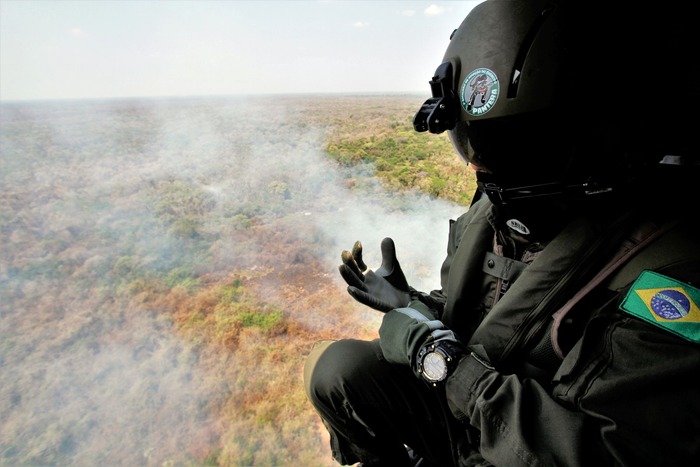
x=165, y=267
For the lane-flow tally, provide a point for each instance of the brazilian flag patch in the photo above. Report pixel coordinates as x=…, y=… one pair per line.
x=666, y=303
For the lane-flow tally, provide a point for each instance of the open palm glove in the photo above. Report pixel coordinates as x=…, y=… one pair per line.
x=383, y=289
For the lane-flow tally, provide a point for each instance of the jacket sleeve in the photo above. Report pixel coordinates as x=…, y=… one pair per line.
x=520, y=424
x=626, y=394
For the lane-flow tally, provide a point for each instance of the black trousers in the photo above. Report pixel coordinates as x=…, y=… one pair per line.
x=374, y=409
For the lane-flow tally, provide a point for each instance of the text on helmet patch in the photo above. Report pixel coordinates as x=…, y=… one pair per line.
x=479, y=91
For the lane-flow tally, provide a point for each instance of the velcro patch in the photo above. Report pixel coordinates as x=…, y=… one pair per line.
x=665, y=302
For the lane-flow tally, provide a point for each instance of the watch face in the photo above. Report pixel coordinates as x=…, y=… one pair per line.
x=434, y=366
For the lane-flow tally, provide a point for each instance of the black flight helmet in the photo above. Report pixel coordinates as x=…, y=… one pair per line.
x=552, y=98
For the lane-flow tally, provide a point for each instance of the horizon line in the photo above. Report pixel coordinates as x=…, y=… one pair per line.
x=219, y=96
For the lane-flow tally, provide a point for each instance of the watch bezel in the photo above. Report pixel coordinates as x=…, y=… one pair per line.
x=442, y=358
x=449, y=359
x=423, y=354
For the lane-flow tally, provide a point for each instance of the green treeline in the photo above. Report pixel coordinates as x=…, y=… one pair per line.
x=404, y=158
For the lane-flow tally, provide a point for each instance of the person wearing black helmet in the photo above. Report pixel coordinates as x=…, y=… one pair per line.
x=567, y=328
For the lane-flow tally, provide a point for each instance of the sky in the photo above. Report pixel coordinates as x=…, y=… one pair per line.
x=55, y=49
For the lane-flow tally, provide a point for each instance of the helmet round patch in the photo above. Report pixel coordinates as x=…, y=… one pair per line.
x=479, y=91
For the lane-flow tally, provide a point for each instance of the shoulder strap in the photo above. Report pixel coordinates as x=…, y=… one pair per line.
x=641, y=237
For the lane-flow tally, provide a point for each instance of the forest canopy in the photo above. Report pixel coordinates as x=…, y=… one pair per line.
x=166, y=265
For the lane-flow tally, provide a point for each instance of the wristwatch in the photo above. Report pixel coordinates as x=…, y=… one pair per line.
x=437, y=359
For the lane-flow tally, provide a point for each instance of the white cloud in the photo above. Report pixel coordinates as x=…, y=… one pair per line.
x=433, y=10
x=360, y=24
x=77, y=32
x=408, y=12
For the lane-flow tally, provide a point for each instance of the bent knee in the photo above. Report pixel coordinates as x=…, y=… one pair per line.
x=311, y=361
x=334, y=365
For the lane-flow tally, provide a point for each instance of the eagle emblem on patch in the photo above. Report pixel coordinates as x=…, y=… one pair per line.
x=666, y=303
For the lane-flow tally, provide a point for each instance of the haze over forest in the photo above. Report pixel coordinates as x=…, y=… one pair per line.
x=166, y=265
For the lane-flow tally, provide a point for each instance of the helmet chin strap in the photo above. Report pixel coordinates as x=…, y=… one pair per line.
x=535, y=211
x=503, y=196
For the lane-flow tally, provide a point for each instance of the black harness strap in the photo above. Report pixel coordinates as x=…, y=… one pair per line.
x=641, y=237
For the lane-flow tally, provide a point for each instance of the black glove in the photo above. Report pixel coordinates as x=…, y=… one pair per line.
x=382, y=290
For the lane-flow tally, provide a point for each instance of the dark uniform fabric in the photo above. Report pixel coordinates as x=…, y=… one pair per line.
x=610, y=390
x=371, y=407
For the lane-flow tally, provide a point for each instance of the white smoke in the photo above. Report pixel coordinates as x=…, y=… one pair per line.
x=92, y=193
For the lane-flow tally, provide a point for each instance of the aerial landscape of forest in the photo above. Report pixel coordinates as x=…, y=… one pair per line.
x=167, y=264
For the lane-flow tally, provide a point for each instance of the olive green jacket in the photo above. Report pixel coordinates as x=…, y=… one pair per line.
x=621, y=390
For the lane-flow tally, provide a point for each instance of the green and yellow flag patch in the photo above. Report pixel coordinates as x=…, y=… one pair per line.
x=666, y=303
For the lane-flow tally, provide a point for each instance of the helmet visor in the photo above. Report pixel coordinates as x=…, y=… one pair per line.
x=529, y=148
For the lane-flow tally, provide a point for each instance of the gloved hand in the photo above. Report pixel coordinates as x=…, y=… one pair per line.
x=405, y=330
x=382, y=290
